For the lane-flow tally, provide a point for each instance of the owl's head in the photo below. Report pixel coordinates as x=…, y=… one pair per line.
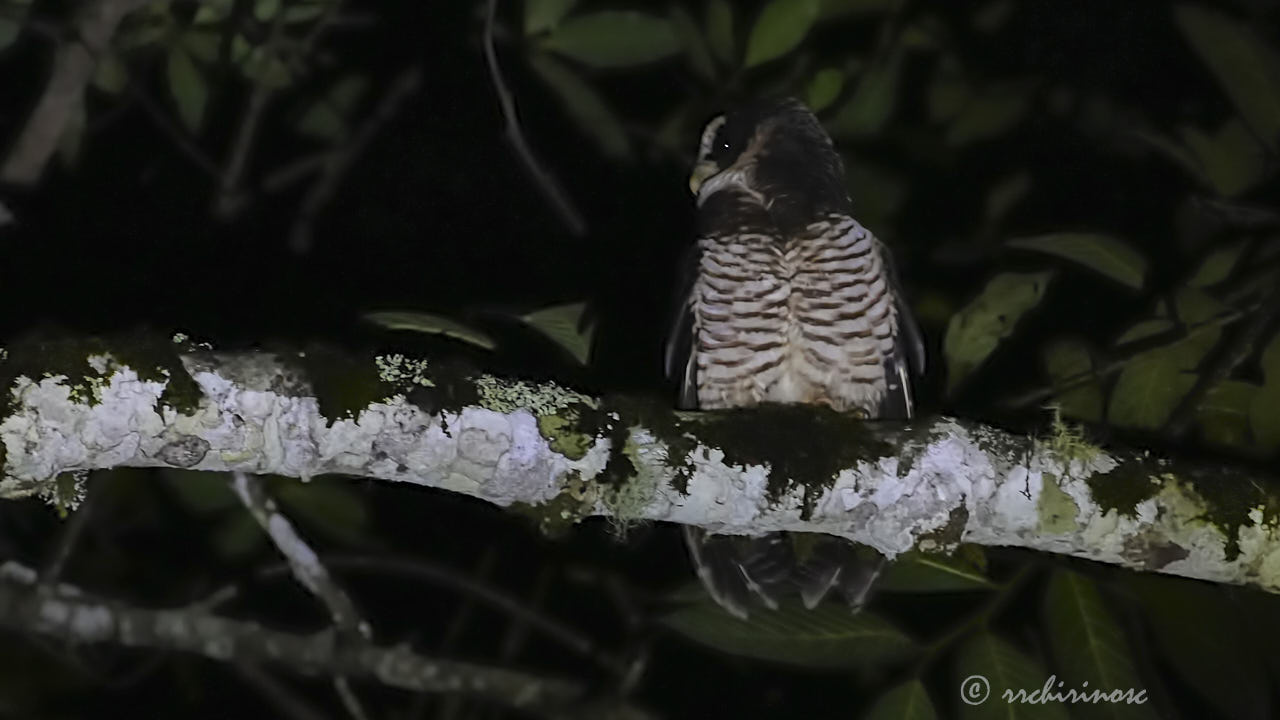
x=774, y=153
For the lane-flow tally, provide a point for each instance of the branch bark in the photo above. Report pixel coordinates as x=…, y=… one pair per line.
x=928, y=485
x=68, y=614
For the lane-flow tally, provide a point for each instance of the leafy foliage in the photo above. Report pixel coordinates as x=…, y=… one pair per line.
x=828, y=637
x=976, y=331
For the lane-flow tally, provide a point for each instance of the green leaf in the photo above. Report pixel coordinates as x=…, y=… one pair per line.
x=240, y=51
x=1148, y=389
x=111, y=75
x=543, y=15
x=262, y=65
x=827, y=637
x=779, y=29
x=720, y=31
x=202, y=44
x=1218, y=265
x=824, y=88
x=303, y=12
x=614, y=39
x=975, y=331
x=1104, y=254
x=1089, y=647
x=1230, y=161
x=908, y=701
x=1244, y=65
x=266, y=10
x=431, y=325
x=327, y=118
x=1264, y=411
x=1007, y=193
x=1064, y=362
x=1153, y=383
x=584, y=105
x=985, y=667
x=211, y=12
x=1199, y=630
x=872, y=103
x=695, y=46
x=989, y=115
x=188, y=88
x=919, y=572
x=1224, y=413
x=563, y=325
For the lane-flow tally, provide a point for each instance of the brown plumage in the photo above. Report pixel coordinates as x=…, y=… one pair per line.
x=789, y=300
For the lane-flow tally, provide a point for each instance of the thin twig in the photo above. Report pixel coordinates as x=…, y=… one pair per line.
x=63, y=98
x=552, y=628
x=307, y=569
x=543, y=179
x=161, y=118
x=518, y=631
x=303, y=563
x=52, y=571
x=340, y=159
x=349, y=700
x=230, y=195
x=281, y=178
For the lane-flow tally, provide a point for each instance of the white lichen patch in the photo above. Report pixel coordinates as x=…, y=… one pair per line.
x=49, y=431
x=398, y=369
x=506, y=396
x=723, y=498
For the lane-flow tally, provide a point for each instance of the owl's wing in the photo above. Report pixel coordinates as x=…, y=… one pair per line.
x=680, y=358
x=908, y=358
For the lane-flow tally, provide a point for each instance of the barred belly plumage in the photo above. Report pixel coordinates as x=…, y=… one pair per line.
x=802, y=319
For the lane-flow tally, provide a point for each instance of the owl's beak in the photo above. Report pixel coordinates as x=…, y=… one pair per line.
x=701, y=172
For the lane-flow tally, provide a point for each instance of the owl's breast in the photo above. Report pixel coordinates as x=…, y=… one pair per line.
x=806, y=319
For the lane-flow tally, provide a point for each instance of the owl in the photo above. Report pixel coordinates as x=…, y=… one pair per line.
x=787, y=299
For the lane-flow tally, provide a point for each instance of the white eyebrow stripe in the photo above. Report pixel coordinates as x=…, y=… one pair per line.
x=709, y=136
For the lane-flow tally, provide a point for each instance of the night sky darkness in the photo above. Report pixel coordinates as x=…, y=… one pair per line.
x=440, y=215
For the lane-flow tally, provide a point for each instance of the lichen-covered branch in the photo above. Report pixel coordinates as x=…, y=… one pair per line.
x=929, y=485
x=67, y=614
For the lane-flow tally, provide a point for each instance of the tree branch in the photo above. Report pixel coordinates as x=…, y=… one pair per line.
x=929, y=485
x=68, y=614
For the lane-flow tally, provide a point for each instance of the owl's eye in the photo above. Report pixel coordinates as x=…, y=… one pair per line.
x=722, y=149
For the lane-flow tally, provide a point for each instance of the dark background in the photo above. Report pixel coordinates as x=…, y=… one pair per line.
x=439, y=214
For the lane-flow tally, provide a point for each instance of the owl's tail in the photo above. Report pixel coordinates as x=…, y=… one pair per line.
x=740, y=572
